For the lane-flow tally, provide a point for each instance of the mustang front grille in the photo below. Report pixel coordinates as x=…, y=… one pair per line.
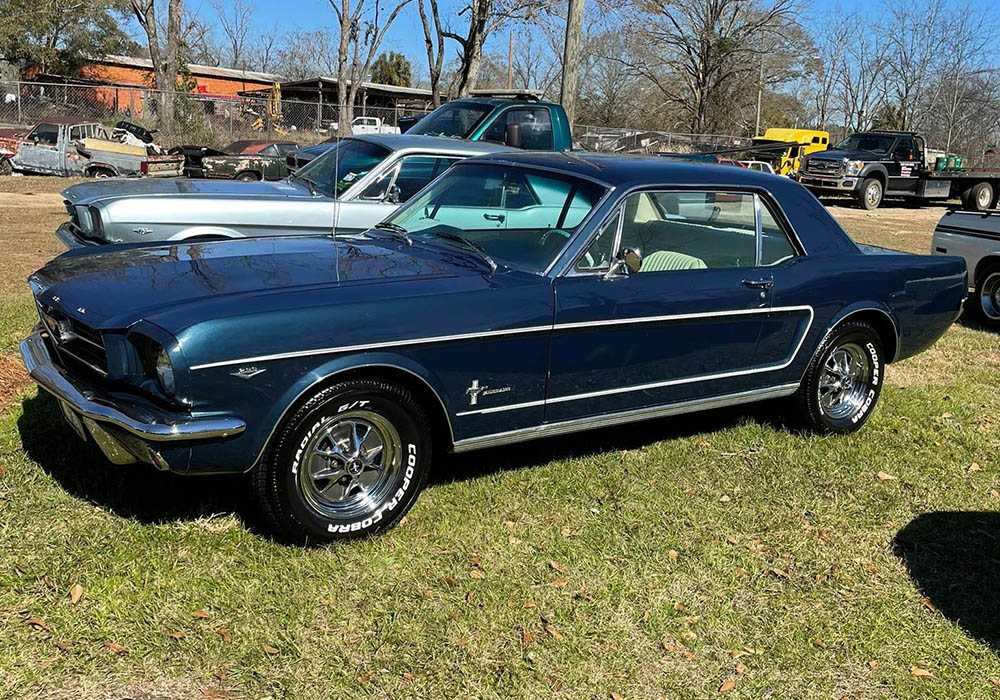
x=74, y=341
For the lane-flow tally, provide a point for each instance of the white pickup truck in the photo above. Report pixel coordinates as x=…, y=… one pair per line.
x=367, y=125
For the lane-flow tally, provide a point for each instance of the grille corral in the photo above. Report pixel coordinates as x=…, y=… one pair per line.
x=71, y=210
x=822, y=166
x=74, y=341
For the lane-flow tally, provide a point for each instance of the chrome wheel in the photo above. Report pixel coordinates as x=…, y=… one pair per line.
x=844, y=382
x=349, y=464
x=983, y=198
x=989, y=296
x=873, y=195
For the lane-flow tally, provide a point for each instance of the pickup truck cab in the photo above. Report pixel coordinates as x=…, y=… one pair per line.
x=797, y=143
x=74, y=148
x=873, y=165
x=501, y=118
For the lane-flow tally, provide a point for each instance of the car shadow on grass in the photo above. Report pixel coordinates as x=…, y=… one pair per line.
x=954, y=559
x=135, y=491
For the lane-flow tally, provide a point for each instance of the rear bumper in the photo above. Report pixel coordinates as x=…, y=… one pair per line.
x=125, y=432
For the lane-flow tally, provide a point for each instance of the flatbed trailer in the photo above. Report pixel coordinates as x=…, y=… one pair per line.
x=896, y=164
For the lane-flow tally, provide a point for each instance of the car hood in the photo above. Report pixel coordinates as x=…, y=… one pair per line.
x=177, y=285
x=834, y=154
x=106, y=190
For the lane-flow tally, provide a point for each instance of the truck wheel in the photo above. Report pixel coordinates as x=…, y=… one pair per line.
x=844, y=381
x=348, y=463
x=100, y=173
x=979, y=197
x=247, y=176
x=5, y=167
x=988, y=295
x=870, y=194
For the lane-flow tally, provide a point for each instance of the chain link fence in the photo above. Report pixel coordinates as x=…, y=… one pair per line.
x=623, y=140
x=202, y=119
x=216, y=120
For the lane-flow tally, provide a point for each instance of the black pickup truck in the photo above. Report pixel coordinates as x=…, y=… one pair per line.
x=876, y=164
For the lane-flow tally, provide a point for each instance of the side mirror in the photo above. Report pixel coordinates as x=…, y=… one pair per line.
x=35, y=139
x=628, y=261
x=393, y=194
x=512, y=137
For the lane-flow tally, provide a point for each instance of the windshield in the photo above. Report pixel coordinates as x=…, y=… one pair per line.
x=455, y=119
x=340, y=167
x=876, y=143
x=519, y=216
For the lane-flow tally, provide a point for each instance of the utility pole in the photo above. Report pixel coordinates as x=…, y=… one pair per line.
x=571, y=57
x=760, y=92
x=510, y=60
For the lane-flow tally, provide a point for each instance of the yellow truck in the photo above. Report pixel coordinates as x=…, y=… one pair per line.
x=796, y=142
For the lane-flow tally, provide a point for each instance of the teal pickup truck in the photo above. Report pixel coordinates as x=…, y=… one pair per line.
x=515, y=119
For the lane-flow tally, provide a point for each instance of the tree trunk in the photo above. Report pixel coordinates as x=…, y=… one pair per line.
x=344, y=111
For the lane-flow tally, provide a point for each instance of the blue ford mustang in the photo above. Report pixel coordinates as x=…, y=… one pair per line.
x=516, y=297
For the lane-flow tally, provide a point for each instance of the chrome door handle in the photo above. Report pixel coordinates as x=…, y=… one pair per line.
x=494, y=217
x=758, y=284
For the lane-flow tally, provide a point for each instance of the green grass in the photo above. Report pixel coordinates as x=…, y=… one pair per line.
x=779, y=539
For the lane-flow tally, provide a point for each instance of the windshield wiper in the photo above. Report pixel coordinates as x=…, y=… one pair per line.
x=309, y=181
x=396, y=230
x=469, y=244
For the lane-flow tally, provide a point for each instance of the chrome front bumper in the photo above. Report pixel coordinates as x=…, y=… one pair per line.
x=71, y=238
x=124, y=432
x=841, y=183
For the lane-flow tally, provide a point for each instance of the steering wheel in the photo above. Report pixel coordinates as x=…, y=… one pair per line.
x=544, y=240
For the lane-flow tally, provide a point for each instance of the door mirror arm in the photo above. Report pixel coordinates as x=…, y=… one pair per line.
x=627, y=262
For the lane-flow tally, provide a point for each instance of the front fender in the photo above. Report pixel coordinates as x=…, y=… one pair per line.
x=328, y=372
x=876, y=170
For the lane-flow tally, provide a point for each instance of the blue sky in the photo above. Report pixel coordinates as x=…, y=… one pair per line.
x=406, y=34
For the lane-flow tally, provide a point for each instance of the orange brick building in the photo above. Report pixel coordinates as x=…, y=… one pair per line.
x=121, y=83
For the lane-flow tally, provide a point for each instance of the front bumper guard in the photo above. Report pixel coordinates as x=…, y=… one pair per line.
x=119, y=430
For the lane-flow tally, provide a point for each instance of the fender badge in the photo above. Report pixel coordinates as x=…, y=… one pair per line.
x=475, y=390
x=247, y=372
x=142, y=231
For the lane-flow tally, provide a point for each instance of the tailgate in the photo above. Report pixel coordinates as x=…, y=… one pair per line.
x=165, y=166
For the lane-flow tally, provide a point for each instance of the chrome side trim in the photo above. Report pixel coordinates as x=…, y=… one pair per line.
x=552, y=429
x=374, y=346
x=668, y=382
x=489, y=334
x=45, y=373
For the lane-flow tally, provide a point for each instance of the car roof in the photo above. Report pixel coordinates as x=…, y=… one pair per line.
x=398, y=142
x=615, y=170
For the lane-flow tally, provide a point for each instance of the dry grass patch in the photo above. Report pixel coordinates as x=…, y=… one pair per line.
x=13, y=379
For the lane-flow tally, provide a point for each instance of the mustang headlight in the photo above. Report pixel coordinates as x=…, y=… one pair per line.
x=164, y=372
x=853, y=167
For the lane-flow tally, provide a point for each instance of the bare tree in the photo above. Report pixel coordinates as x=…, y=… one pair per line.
x=861, y=76
x=362, y=28
x=966, y=83
x=235, y=17
x=265, y=50
x=918, y=41
x=165, y=55
x=434, y=42
x=485, y=17
x=694, y=47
